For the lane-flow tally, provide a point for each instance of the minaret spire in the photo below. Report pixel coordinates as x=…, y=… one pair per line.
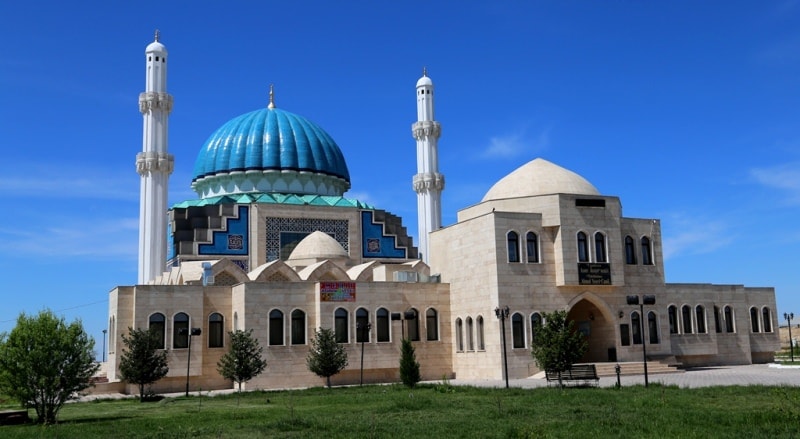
x=428, y=182
x=271, y=97
x=154, y=164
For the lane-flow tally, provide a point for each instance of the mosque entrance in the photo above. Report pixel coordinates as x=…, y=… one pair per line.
x=598, y=330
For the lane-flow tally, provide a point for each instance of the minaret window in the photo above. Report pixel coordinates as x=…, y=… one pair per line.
x=630, y=251
x=583, y=248
x=513, y=246
x=600, y=247
x=532, y=247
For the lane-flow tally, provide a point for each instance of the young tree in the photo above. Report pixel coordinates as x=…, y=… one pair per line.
x=326, y=357
x=243, y=360
x=143, y=361
x=44, y=363
x=409, y=368
x=558, y=345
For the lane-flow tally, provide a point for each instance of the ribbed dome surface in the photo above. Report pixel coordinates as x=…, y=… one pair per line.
x=270, y=139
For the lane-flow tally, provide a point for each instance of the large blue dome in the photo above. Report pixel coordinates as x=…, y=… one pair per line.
x=270, y=150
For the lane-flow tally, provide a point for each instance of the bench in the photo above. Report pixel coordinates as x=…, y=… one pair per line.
x=577, y=374
x=14, y=417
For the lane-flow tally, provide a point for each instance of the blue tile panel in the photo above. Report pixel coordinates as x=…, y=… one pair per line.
x=374, y=243
x=270, y=139
x=233, y=240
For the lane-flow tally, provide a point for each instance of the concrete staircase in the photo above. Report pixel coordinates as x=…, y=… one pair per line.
x=637, y=368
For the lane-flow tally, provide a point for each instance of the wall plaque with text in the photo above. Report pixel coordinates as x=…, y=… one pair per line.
x=594, y=273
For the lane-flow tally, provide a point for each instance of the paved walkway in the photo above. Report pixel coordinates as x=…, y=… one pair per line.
x=760, y=374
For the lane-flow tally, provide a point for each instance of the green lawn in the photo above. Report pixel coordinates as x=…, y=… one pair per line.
x=441, y=411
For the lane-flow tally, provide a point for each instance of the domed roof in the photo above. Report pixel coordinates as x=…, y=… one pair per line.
x=424, y=80
x=318, y=245
x=270, y=150
x=539, y=177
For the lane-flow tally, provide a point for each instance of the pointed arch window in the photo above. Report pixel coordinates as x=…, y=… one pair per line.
x=636, y=327
x=215, y=330
x=754, y=319
x=536, y=324
x=470, y=339
x=276, y=327
x=432, y=324
x=717, y=324
x=518, y=330
x=513, y=246
x=672, y=312
x=382, y=320
x=412, y=322
x=647, y=255
x=583, y=248
x=600, y=247
x=630, y=251
x=298, y=327
x=362, y=319
x=532, y=247
x=340, y=321
x=767, y=318
x=686, y=313
x=481, y=344
x=729, y=326
x=157, y=324
x=652, y=327
x=180, y=331
x=459, y=335
x=700, y=316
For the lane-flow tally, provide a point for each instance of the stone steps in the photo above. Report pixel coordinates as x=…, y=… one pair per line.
x=636, y=368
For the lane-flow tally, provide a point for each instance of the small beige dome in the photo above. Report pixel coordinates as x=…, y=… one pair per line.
x=539, y=177
x=318, y=245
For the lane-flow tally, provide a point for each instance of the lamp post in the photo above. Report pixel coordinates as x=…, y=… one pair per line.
x=105, y=331
x=363, y=326
x=789, y=317
x=646, y=300
x=185, y=331
x=502, y=314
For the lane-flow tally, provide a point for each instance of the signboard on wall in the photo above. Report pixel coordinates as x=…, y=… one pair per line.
x=337, y=291
x=594, y=274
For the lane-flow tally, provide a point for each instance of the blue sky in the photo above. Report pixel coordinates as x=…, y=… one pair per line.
x=686, y=110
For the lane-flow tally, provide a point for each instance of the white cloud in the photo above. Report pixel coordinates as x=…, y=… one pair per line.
x=516, y=144
x=694, y=235
x=785, y=177
x=92, y=239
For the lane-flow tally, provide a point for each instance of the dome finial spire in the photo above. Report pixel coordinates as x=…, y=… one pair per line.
x=158, y=34
x=424, y=71
x=271, y=96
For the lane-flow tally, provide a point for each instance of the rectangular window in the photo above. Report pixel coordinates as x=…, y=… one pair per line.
x=625, y=334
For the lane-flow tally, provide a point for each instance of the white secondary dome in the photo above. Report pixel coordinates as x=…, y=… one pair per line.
x=318, y=245
x=539, y=177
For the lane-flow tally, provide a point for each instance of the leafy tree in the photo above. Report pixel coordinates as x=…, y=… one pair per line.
x=326, y=357
x=409, y=367
x=143, y=361
x=243, y=360
x=44, y=363
x=558, y=345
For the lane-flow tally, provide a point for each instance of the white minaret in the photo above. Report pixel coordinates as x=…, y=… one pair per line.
x=154, y=164
x=428, y=182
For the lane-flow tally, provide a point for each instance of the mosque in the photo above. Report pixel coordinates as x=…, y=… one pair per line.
x=273, y=244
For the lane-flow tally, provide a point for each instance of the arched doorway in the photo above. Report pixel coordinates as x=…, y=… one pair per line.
x=598, y=329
